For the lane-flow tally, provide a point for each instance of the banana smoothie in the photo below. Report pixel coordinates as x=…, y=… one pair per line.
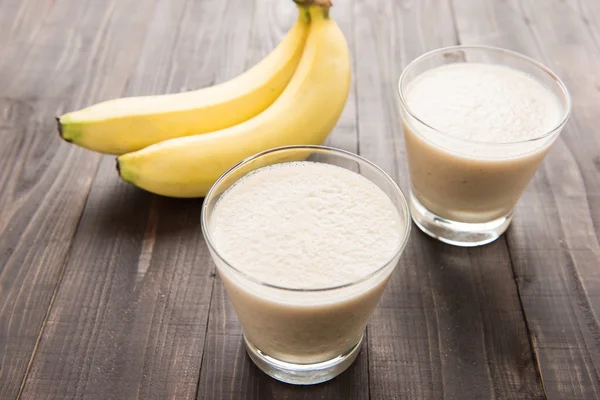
x=475, y=134
x=311, y=246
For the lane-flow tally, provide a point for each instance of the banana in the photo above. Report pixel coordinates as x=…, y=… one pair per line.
x=305, y=113
x=129, y=124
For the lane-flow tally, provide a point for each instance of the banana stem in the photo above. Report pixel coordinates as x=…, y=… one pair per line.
x=322, y=3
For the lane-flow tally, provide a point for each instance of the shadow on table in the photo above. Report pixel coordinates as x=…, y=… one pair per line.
x=351, y=384
x=473, y=300
x=131, y=212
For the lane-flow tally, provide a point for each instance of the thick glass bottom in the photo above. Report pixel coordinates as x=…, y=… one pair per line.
x=302, y=374
x=457, y=233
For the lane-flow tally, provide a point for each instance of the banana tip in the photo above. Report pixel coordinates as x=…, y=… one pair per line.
x=128, y=172
x=60, y=130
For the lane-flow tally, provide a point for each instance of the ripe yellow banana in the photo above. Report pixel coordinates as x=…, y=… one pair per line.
x=129, y=124
x=305, y=113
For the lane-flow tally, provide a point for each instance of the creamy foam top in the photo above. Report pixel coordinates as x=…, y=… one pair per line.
x=306, y=225
x=484, y=102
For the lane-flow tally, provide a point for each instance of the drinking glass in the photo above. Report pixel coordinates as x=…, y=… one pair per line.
x=463, y=192
x=301, y=335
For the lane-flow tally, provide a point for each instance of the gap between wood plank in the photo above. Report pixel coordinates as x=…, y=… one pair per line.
x=454, y=23
x=355, y=88
x=530, y=336
x=365, y=345
x=214, y=277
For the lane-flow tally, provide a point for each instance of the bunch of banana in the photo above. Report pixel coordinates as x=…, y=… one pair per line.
x=179, y=144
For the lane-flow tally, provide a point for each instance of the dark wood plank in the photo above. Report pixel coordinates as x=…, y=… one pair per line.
x=227, y=372
x=53, y=56
x=554, y=237
x=129, y=318
x=449, y=325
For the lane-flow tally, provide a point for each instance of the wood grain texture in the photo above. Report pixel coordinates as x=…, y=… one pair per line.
x=130, y=316
x=227, y=372
x=450, y=323
x=108, y=292
x=52, y=57
x=554, y=238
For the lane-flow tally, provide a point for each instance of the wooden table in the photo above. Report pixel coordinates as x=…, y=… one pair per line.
x=108, y=292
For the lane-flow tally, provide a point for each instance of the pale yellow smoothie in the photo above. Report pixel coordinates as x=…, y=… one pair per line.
x=293, y=231
x=470, y=131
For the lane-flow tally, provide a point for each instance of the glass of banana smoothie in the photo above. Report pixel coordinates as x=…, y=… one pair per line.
x=477, y=123
x=305, y=239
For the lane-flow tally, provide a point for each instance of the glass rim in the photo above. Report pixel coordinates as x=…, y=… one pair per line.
x=491, y=49
x=326, y=149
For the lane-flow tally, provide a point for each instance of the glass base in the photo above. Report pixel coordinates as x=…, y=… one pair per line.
x=302, y=374
x=457, y=233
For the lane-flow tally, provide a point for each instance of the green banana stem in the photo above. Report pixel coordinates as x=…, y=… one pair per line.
x=324, y=4
x=304, y=13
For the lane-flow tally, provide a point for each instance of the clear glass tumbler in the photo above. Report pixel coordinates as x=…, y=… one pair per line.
x=304, y=336
x=463, y=192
